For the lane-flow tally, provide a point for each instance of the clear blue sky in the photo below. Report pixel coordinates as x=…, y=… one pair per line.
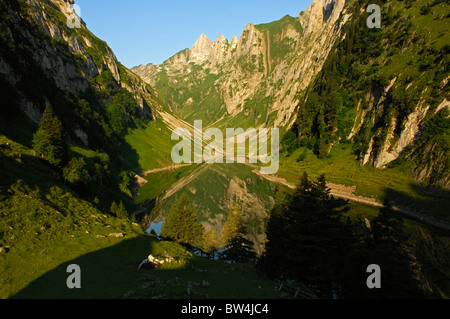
x=147, y=31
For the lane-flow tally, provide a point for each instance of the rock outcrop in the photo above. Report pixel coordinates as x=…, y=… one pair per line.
x=316, y=18
x=201, y=50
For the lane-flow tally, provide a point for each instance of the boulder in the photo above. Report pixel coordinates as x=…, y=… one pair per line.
x=116, y=235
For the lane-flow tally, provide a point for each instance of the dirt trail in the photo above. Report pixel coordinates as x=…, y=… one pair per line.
x=162, y=169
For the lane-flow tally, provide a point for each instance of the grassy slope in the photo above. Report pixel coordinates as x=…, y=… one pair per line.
x=45, y=226
x=224, y=281
x=198, y=85
x=109, y=270
x=280, y=47
x=43, y=222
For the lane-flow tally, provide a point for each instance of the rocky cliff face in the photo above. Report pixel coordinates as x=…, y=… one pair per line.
x=255, y=77
x=38, y=41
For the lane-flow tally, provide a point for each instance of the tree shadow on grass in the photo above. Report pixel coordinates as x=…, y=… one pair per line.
x=27, y=168
x=105, y=274
x=129, y=157
x=17, y=126
x=112, y=273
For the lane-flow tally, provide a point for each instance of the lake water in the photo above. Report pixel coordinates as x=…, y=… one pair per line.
x=214, y=189
x=156, y=227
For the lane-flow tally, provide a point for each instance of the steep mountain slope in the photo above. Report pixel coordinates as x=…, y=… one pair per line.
x=70, y=69
x=251, y=80
x=385, y=91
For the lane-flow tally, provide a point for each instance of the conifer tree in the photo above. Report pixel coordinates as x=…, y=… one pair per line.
x=113, y=209
x=312, y=239
x=211, y=243
x=237, y=248
x=49, y=139
x=232, y=225
x=182, y=224
x=121, y=211
x=387, y=247
x=275, y=234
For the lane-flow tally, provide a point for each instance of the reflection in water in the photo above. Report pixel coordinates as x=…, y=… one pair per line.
x=214, y=189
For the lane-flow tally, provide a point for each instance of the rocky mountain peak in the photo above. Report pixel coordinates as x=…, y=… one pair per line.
x=277, y=54
x=234, y=42
x=221, y=38
x=249, y=26
x=201, y=50
x=320, y=12
x=220, y=48
x=315, y=21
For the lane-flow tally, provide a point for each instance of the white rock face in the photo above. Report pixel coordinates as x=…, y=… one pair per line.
x=201, y=50
x=407, y=136
x=315, y=18
x=82, y=136
x=220, y=50
x=338, y=6
x=64, y=72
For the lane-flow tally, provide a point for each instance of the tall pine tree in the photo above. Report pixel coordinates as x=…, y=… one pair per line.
x=211, y=243
x=182, y=224
x=276, y=237
x=232, y=225
x=239, y=249
x=49, y=139
x=308, y=239
x=121, y=211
